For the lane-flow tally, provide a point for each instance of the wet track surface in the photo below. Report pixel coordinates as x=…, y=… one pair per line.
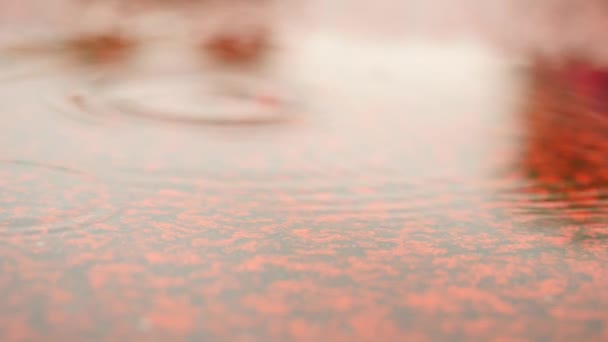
x=410, y=192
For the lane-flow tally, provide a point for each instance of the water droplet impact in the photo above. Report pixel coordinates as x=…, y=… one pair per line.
x=188, y=102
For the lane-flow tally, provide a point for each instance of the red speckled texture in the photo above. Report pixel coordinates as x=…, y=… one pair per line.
x=401, y=205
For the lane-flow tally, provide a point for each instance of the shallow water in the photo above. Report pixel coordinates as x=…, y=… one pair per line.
x=419, y=190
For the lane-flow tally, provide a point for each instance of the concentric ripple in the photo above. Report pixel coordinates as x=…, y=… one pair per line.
x=185, y=100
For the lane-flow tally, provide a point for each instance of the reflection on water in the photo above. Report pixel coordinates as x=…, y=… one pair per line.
x=224, y=70
x=565, y=145
x=559, y=173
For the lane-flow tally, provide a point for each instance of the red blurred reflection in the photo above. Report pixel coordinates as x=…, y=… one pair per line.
x=566, y=125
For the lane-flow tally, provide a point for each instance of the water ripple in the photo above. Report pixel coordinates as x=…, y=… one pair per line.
x=39, y=199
